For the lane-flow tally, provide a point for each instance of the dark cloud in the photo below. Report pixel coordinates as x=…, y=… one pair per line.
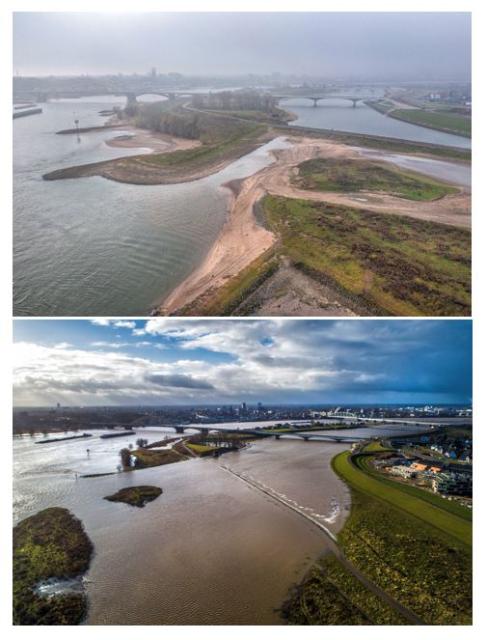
x=178, y=381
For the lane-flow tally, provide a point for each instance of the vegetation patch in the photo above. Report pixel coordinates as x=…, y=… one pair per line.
x=49, y=545
x=425, y=570
x=226, y=299
x=394, y=265
x=153, y=458
x=330, y=595
x=334, y=174
x=136, y=496
x=200, y=449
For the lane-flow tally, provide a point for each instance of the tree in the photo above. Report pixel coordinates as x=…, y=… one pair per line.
x=126, y=458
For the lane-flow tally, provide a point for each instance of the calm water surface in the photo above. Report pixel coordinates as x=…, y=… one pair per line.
x=339, y=114
x=95, y=247
x=211, y=549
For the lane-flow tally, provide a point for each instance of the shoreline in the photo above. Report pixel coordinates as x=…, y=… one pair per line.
x=242, y=239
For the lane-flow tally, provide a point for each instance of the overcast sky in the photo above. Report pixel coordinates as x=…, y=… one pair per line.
x=169, y=361
x=402, y=46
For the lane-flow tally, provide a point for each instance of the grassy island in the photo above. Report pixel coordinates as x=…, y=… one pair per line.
x=49, y=545
x=136, y=496
x=344, y=175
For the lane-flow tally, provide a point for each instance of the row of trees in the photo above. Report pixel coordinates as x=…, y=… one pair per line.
x=182, y=125
x=235, y=101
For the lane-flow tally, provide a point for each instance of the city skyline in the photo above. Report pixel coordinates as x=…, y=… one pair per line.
x=162, y=362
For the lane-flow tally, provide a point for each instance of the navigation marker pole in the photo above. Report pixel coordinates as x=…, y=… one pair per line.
x=76, y=122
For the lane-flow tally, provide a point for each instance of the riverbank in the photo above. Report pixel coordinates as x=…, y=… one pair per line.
x=244, y=240
x=428, y=118
x=182, y=161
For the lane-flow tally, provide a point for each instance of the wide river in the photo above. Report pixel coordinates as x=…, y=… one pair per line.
x=212, y=549
x=92, y=246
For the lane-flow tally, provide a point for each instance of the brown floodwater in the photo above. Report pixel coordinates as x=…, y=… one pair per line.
x=212, y=549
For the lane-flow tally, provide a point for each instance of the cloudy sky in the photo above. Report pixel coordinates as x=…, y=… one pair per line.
x=398, y=46
x=168, y=361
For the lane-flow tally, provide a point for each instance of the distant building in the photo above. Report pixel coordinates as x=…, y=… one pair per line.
x=459, y=484
x=403, y=470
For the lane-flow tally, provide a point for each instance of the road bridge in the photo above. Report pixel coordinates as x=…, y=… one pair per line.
x=317, y=98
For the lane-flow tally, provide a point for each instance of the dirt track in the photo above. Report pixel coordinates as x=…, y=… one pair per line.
x=242, y=240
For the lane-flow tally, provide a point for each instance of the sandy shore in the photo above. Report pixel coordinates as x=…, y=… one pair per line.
x=242, y=239
x=156, y=142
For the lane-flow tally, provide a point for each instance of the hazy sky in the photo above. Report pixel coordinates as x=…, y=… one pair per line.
x=169, y=361
x=401, y=46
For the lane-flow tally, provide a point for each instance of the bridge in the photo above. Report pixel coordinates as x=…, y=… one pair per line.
x=317, y=98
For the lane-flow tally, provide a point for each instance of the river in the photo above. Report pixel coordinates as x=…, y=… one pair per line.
x=95, y=247
x=338, y=114
x=92, y=246
x=212, y=549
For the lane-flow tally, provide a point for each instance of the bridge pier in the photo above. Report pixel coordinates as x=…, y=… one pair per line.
x=179, y=429
x=315, y=101
x=354, y=102
x=277, y=436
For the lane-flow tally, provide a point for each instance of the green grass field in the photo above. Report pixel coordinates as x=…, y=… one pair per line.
x=437, y=515
x=332, y=174
x=395, y=265
x=441, y=120
x=418, y=553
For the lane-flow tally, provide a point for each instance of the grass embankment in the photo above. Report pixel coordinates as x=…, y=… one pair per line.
x=50, y=544
x=437, y=513
x=362, y=462
x=332, y=174
x=136, y=496
x=440, y=120
x=417, y=552
x=394, y=265
x=227, y=298
x=331, y=595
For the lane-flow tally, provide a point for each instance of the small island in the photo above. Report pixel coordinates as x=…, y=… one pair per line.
x=136, y=496
x=50, y=548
